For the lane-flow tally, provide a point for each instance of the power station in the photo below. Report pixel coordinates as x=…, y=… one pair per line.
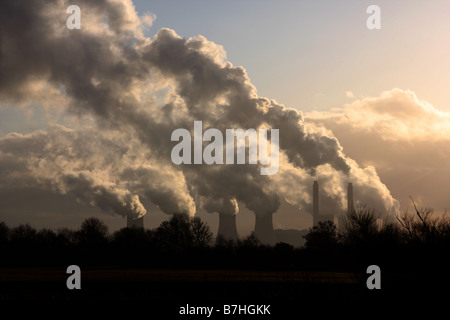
x=263, y=223
x=317, y=217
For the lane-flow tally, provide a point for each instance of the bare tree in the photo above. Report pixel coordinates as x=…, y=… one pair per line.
x=201, y=233
x=249, y=242
x=423, y=226
x=66, y=236
x=23, y=234
x=182, y=232
x=46, y=237
x=359, y=226
x=175, y=234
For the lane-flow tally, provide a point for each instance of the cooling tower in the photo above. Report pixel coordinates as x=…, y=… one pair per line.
x=227, y=226
x=264, y=229
x=315, y=203
x=135, y=223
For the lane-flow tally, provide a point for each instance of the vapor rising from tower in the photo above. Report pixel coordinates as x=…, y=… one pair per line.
x=122, y=94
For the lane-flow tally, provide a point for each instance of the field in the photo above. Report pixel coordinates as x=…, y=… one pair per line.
x=287, y=292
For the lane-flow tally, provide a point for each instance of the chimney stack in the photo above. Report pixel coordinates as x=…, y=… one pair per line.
x=315, y=203
x=227, y=226
x=350, y=197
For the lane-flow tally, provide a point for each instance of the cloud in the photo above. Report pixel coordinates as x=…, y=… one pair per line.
x=147, y=20
x=92, y=168
x=405, y=138
x=394, y=115
x=138, y=90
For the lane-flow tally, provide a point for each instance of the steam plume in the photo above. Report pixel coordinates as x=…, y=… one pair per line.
x=137, y=91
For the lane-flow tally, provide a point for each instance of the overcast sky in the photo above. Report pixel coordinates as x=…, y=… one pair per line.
x=380, y=95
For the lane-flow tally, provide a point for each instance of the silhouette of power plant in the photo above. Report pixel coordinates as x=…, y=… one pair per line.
x=264, y=230
x=317, y=217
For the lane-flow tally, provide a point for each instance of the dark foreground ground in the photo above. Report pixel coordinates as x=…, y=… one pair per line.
x=160, y=294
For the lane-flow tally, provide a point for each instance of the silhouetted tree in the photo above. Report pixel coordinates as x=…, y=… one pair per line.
x=249, y=242
x=250, y=252
x=175, y=234
x=283, y=247
x=201, y=233
x=46, y=237
x=424, y=227
x=324, y=236
x=133, y=246
x=66, y=236
x=427, y=239
x=23, y=234
x=93, y=232
x=131, y=237
x=224, y=243
x=359, y=227
x=4, y=233
x=181, y=233
x=390, y=236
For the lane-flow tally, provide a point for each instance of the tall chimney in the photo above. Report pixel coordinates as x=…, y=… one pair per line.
x=135, y=223
x=264, y=229
x=315, y=203
x=350, y=197
x=227, y=226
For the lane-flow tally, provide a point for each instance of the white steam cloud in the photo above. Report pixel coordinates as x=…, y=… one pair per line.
x=407, y=139
x=138, y=90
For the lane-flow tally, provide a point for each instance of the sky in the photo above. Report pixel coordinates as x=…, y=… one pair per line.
x=308, y=54
x=86, y=115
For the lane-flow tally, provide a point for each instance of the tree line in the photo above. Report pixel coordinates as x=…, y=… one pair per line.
x=413, y=242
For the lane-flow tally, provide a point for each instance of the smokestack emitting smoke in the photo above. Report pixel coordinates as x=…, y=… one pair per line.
x=350, y=197
x=123, y=94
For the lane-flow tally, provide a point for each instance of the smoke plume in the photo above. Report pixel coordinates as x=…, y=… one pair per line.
x=129, y=93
